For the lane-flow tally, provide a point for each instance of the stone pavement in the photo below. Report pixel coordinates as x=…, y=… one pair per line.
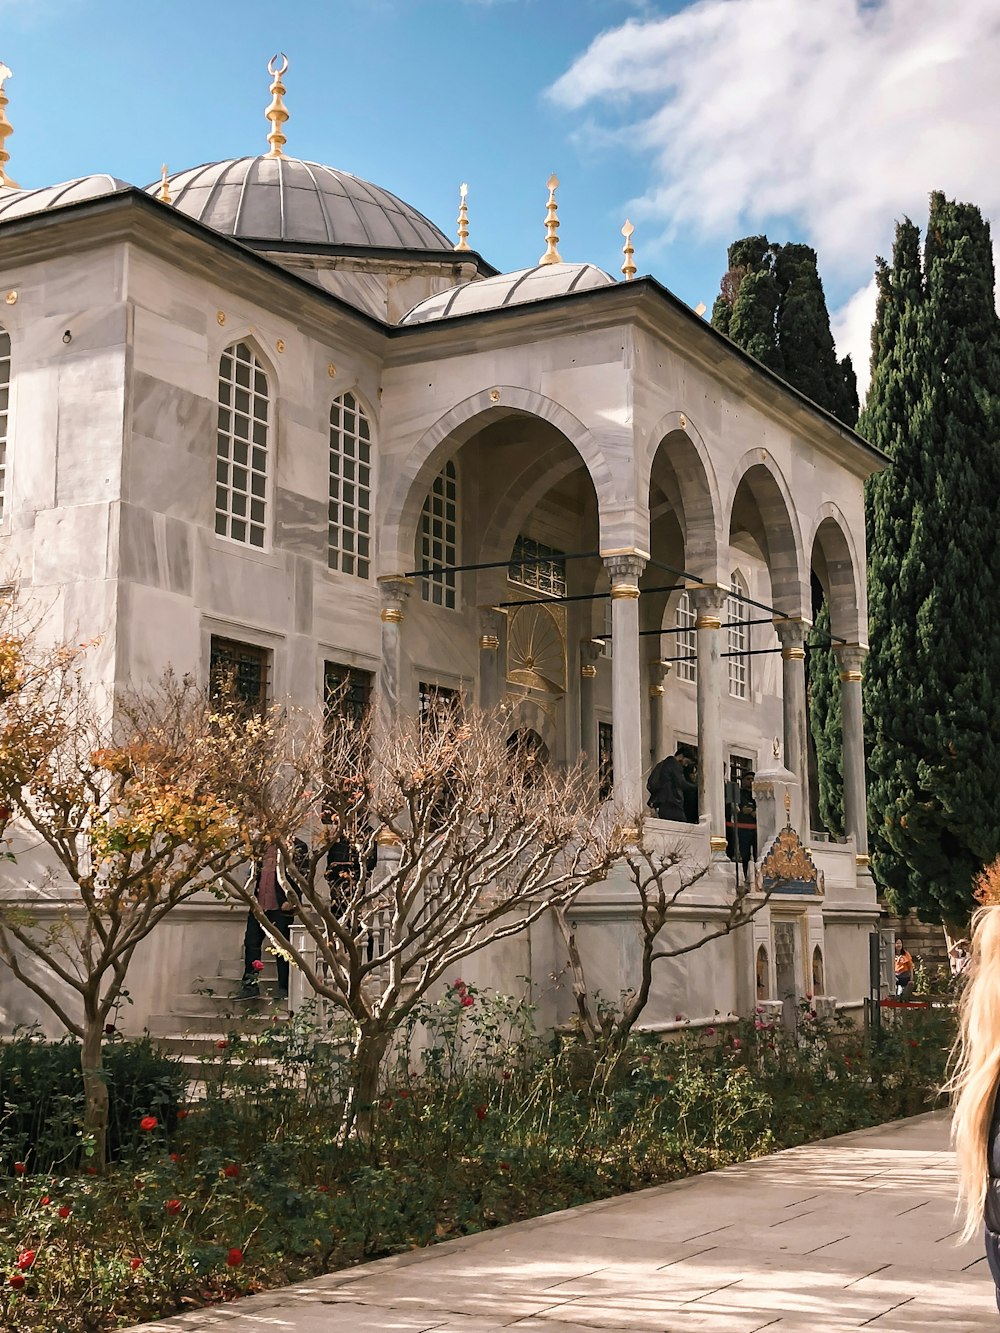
x=856, y=1232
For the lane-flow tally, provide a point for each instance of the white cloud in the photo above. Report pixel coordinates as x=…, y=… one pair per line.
x=828, y=119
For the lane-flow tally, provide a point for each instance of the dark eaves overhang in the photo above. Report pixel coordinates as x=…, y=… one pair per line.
x=392, y=254
x=646, y=302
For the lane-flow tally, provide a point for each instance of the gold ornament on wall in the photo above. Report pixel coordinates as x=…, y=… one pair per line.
x=536, y=649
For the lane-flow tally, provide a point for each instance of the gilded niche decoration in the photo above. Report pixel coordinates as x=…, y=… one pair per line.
x=787, y=866
x=536, y=649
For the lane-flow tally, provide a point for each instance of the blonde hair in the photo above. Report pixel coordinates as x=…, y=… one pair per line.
x=975, y=1069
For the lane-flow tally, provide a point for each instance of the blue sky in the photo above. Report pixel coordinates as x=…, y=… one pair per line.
x=705, y=120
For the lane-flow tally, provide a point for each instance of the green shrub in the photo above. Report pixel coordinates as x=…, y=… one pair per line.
x=41, y=1098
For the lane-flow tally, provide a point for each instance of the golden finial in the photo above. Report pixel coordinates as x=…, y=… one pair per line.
x=463, y=219
x=276, y=112
x=628, y=250
x=552, y=255
x=163, y=194
x=5, y=129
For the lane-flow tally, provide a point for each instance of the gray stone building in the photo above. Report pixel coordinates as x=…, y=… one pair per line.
x=245, y=407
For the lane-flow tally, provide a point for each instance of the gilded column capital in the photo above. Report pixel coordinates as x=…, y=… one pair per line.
x=851, y=660
x=491, y=626
x=791, y=632
x=624, y=570
x=708, y=600
x=394, y=590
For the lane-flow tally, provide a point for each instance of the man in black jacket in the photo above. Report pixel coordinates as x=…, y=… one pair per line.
x=667, y=786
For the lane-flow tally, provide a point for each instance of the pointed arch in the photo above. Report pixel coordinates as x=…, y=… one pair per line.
x=834, y=555
x=680, y=460
x=424, y=460
x=757, y=478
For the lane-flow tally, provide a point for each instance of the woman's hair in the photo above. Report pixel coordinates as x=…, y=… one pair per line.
x=975, y=1069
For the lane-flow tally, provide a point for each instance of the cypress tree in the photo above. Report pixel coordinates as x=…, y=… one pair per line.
x=772, y=304
x=931, y=694
x=825, y=723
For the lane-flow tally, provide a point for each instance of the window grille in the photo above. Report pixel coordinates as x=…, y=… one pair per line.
x=439, y=538
x=686, y=639
x=4, y=413
x=242, y=670
x=437, y=703
x=535, y=565
x=347, y=691
x=349, y=540
x=738, y=639
x=241, y=447
x=605, y=760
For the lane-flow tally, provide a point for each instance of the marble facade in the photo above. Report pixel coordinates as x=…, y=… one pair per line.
x=607, y=422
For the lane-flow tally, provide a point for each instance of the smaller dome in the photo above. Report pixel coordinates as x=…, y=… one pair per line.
x=18, y=203
x=541, y=283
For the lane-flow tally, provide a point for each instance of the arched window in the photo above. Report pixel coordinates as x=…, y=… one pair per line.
x=241, y=464
x=4, y=410
x=349, y=543
x=685, y=640
x=439, y=538
x=738, y=638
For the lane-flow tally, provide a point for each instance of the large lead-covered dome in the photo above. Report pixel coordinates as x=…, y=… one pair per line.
x=283, y=199
x=15, y=203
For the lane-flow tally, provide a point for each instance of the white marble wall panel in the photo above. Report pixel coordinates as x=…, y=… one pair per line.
x=75, y=544
x=161, y=629
x=171, y=349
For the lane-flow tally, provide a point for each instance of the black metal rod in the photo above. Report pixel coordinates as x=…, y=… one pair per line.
x=573, y=597
x=749, y=652
x=429, y=571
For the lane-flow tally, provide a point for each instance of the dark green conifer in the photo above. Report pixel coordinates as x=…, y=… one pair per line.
x=932, y=691
x=825, y=724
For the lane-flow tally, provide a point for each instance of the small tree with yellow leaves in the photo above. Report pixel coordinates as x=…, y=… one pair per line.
x=125, y=802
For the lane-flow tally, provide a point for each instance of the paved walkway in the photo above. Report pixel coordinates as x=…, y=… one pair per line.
x=854, y=1233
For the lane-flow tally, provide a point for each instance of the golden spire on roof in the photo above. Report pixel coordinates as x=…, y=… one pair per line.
x=5, y=129
x=552, y=255
x=463, y=219
x=163, y=193
x=628, y=250
x=276, y=112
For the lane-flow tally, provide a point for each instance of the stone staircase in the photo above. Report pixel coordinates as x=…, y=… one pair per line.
x=210, y=1014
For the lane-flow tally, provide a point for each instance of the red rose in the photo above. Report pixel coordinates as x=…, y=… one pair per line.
x=221, y=1045
x=175, y=1157
x=45, y=1200
x=148, y=1122
x=505, y=1166
x=231, y=1171
x=172, y=1206
x=183, y=1115
x=234, y=1258
x=26, y=1258
x=16, y=1280
x=736, y=1043
x=480, y=1112
x=467, y=1001
x=459, y=984
x=64, y=1212
x=403, y=1093
x=323, y=1189
x=19, y=1168
x=135, y=1263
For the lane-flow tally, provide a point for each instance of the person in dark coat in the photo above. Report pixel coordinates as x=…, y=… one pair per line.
x=668, y=786
x=271, y=889
x=746, y=822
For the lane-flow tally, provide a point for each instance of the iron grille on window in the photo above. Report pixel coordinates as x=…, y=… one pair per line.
x=439, y=538
x=608, y=621
x=686, y=639
x=241, y=447
x=4, y=410
x=240, y=670
x=605, y=760
x=437, y=703
x=535, y=565
x=347, y=691
x=349, y=541
x=739, y=640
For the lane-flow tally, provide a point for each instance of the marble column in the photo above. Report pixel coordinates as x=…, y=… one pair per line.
x=626, y=700
x=658, y=672
x=589, y=653
x=492, y=625
x=394, y=591
x=792, y=637
x=850, y=658
x=708, y=603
